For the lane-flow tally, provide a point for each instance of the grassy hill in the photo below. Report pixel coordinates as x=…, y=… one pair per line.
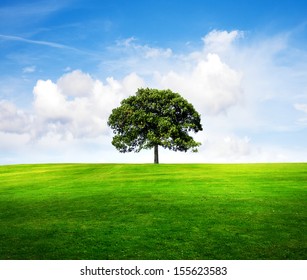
x=185, y=211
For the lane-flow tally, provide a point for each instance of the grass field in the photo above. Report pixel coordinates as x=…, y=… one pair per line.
x=188, y=211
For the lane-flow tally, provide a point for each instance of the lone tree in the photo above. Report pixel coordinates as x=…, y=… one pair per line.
x=153, y=118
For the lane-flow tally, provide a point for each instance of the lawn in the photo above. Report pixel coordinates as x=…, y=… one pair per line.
x=146, y=211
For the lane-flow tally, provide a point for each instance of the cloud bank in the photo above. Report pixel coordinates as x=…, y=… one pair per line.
x=232, y=85
x=77, y=105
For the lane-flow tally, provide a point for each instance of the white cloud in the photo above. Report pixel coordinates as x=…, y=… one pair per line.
x=36, y=42
x=49, y=102
x=12, y=119
x=132, y=82
x=229, y=148
x=219, y=41
x=301, y=107
x=77, y=106
x=12, y=142
x=153, y=52
x=201, y=76
x=129, y=45
x=237, y=146
x=129, y=56
x=212, y=85
x=76, y=83
x=29, y=69
x=68, y=118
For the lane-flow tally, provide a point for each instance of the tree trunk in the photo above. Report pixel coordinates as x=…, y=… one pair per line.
x=156, y=151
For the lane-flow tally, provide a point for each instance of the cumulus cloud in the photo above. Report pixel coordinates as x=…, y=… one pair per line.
x=12, y=119
x=49, y=102
x=77, y=105
x=219, y=41
x=76, y=83
x=13, y=142
x=212, y=85
x=202, y=76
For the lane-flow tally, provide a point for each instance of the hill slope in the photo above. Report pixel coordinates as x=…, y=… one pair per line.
x=188, y=211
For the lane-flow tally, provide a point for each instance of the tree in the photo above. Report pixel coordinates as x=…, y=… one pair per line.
x=153, y=118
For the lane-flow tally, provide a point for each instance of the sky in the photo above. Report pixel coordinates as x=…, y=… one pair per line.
x=66, y=64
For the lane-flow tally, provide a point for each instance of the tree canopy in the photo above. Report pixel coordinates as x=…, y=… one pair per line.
x=153, y=118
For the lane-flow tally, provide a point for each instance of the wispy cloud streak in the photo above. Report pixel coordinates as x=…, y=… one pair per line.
x=36, y=42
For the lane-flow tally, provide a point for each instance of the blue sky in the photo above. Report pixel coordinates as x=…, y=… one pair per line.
x=66, y=64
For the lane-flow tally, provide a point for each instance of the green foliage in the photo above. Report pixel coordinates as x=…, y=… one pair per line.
x=154, y=118
x=136, y=211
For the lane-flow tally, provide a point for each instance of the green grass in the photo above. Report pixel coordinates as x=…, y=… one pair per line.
x=188, y=211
